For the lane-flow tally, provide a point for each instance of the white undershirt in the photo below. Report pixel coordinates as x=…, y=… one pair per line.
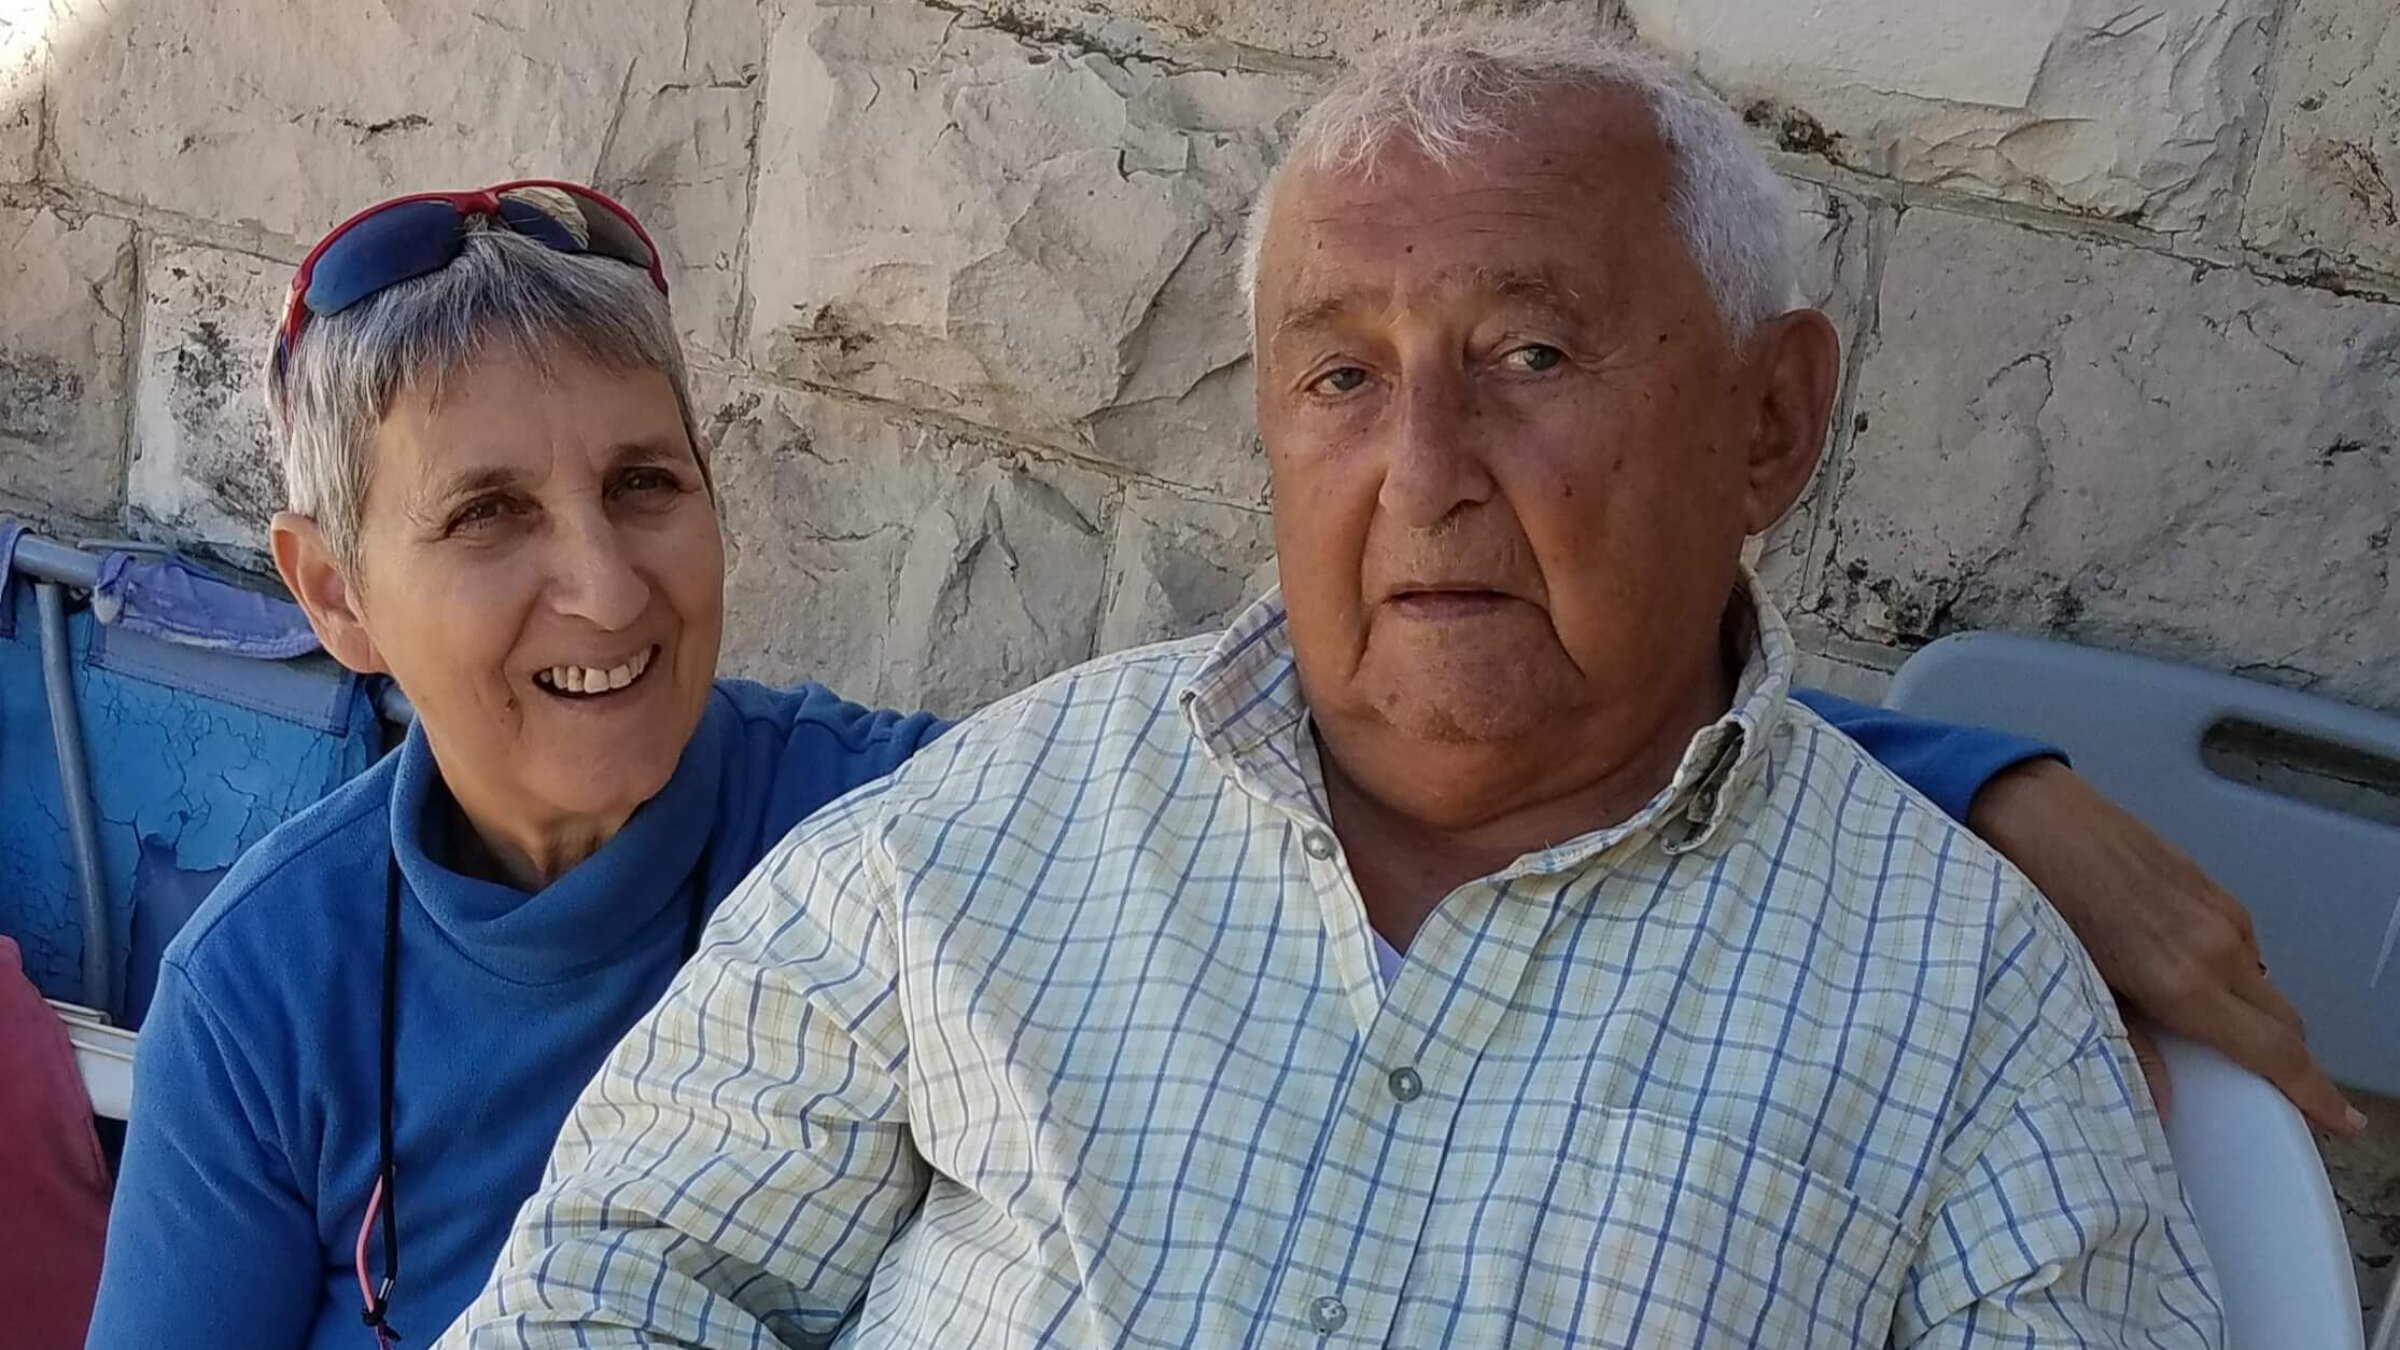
x=1387, y=959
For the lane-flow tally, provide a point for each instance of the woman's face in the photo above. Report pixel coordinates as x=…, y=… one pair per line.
x=540, y=569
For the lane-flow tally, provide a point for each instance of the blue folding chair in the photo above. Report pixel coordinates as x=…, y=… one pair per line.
x=155, y=721
x=2320, y=886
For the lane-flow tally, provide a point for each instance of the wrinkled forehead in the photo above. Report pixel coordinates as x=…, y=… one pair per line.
x=513, y=413
x=1566, y=211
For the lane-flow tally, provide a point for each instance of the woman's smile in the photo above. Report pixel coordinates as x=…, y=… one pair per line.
x=596, y=681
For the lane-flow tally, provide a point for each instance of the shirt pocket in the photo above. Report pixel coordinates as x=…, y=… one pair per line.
x=1674, y=1233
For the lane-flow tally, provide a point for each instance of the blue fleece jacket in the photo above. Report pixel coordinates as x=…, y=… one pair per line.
x=252, y=1149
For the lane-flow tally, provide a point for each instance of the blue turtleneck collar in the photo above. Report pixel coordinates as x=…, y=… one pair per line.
x=585, y=918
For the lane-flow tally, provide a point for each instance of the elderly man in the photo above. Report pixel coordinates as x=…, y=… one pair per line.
x=1472, y=945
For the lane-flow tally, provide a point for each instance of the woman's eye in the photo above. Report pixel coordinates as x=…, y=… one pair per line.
x=481, y=511
x=1535, y=357
x=1340, y=380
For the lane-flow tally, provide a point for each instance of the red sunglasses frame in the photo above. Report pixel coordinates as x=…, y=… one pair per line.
x=481, y=202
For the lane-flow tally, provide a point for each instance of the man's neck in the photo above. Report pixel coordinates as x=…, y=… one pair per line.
x=1419, y=819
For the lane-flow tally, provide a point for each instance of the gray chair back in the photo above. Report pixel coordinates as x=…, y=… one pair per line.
x=2322, y=885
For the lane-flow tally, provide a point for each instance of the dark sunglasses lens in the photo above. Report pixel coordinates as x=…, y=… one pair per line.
x=613, y=237
x=406, y=240
x=528, y=219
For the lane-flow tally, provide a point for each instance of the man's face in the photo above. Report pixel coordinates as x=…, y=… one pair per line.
x=1511, y=437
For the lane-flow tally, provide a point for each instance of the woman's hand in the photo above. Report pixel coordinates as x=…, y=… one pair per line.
x=2174, y=946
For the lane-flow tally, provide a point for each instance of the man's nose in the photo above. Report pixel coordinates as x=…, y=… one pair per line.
x=1434, y=456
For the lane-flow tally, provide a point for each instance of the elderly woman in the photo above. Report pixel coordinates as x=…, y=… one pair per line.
x=361, y=1048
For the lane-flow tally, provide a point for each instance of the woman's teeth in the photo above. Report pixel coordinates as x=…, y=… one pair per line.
x=592, y=679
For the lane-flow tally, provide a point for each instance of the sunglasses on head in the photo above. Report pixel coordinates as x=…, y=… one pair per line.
x=424, y=232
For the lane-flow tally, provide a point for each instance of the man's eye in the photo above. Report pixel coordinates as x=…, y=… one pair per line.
x=1340, y=380
x=1535, y=357
x=647, y=481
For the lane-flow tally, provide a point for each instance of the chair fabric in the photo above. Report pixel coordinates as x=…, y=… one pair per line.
x=194, y=753
x=52, y=1176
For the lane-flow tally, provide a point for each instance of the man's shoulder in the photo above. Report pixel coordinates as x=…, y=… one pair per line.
x=1044, y=747
x=1087, y=720
x=1941, y=898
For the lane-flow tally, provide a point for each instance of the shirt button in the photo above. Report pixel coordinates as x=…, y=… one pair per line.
x=1318, y=844
x=1327, y=1315
x=1406, y=1085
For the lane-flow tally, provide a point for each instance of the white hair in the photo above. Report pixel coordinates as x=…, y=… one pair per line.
x=503, y=288
x=1450, y=93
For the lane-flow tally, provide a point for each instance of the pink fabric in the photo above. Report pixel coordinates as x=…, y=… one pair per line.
x=53, y=1182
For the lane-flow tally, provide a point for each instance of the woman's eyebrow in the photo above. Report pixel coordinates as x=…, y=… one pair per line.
x=468, y=482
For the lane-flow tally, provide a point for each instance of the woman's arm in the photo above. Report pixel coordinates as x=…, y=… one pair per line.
x=1948, y=763
x=210, y=1243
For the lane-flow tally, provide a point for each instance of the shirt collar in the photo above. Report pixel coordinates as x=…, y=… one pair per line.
x=1245, y=706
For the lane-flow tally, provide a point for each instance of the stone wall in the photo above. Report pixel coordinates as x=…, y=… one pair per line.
x=2117, y=278
x=961, y=284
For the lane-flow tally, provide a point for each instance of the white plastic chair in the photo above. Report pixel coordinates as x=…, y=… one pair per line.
x=2318, y=884
x=2267, y=1216
x=103, y=1056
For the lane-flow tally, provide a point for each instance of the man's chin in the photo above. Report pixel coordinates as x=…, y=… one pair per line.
x=1455, y=692
x=1446, y=712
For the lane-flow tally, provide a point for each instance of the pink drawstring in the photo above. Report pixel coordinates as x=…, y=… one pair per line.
x=366, y=1289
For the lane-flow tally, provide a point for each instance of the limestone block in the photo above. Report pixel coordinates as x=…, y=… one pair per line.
x=1312, y=28
x=897, y=564
x=1831, y=243
x=1832, y=233
x=2124, y=449
x=24, y=55
x=288, y=115
x=1848, y=670
x=1182, y=567
x=66, y=284
x=1016, y=231
x=205, y=468
x=2329, y=162
x=2092, y=106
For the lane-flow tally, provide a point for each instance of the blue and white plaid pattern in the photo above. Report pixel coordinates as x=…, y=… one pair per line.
x=1071, y=1033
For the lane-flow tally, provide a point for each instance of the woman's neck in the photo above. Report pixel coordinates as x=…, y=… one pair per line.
x=525, y=855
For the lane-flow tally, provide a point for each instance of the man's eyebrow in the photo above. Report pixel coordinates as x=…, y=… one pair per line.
x=1533, y=287
x=626, y=454
x=1318, y=313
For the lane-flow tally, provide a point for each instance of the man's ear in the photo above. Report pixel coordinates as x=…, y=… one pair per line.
x=1802, y=357
x=317, y=581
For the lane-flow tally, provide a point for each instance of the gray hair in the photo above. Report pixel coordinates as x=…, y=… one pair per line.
x=348, y=368
x=1450, y=93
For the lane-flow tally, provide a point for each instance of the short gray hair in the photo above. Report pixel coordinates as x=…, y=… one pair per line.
x=1452, y=92
x=348, y=368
